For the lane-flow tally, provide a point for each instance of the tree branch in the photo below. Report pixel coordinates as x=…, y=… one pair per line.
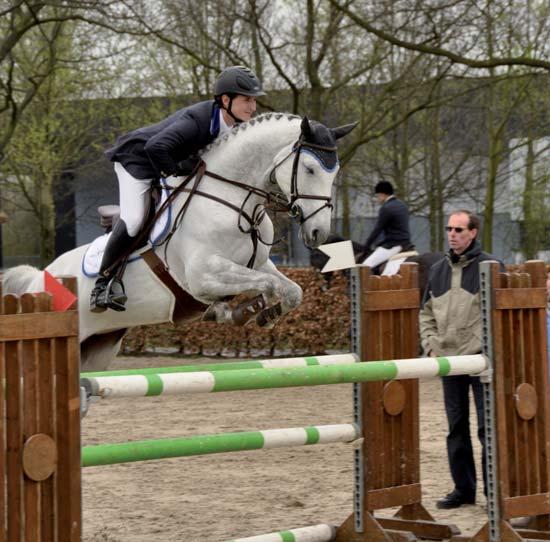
x=491, y=62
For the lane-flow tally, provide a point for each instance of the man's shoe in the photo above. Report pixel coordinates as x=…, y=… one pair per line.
x=453, y=500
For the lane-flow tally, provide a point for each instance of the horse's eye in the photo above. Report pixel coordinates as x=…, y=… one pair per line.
x=309, y=170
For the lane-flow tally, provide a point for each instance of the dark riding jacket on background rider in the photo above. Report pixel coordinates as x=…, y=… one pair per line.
x=170, y=146
x=393, y=222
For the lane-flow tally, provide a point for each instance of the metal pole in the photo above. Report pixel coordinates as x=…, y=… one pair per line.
x=493, y=510
x=358, y=476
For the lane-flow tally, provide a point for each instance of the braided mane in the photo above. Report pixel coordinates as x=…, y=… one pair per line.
x=241, y=127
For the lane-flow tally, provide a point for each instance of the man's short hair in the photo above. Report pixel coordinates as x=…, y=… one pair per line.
x=383, y=187
x=473, y=220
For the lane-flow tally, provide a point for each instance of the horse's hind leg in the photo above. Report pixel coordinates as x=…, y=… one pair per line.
x=98, y=351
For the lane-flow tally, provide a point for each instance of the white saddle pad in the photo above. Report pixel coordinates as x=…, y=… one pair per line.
x=392, y=267
x=92, y=257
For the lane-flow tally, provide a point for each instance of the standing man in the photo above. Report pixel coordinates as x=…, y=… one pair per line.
x=164, y=149
x=393, y=222
x=450, y=324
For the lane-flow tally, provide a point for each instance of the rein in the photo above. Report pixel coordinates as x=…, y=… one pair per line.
x=274, y=202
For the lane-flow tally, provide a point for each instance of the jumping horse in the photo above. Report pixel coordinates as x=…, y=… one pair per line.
x=220, y=235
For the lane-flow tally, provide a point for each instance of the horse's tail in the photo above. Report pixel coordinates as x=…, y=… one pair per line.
x=21, y=279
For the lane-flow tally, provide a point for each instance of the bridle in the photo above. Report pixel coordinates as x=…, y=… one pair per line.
x=294, y=210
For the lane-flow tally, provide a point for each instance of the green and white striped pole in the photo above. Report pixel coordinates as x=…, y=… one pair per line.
x=127, y=452
x=335, y=359
x=254, y=379
x=315, y=533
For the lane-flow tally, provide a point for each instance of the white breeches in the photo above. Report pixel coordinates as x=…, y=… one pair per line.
x=134, y=199
x=381, y=255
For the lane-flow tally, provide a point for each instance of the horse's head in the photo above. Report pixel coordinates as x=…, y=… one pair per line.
x=305, y=172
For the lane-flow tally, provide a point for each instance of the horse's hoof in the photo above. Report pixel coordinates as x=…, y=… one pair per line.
x=209, y=314
x=217, y=312
x=244, y=312
x=269, y=316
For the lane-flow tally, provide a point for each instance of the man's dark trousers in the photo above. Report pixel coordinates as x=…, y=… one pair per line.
x=459, y=444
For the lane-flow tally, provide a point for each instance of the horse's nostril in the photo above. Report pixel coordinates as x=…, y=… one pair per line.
x=315, y=234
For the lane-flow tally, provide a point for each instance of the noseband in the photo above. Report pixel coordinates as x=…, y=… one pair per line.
x=293, y=209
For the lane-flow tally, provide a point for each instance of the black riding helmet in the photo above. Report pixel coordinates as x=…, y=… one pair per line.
x=237, y=80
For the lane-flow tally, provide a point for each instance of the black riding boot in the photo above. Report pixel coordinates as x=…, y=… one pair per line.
x=108, y=292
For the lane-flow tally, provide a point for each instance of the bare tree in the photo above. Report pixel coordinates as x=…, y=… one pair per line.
x=429, y=41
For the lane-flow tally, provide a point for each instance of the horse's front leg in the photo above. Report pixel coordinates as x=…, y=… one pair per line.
x=216, y=278
x=290, y=297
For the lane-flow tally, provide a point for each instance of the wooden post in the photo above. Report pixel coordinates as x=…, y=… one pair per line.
x=521, y=429
x=40, y=465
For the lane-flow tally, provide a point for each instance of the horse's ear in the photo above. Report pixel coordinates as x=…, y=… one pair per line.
x=342, y=131
x=306, y=128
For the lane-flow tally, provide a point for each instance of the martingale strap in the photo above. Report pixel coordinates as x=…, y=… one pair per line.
x=254, y=221
x=187, y=307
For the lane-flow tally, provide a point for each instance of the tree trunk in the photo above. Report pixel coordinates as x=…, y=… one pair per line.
x=495, y=156
x=436, y=198
x=346, y=231
x=531, y=222
x=47, y=223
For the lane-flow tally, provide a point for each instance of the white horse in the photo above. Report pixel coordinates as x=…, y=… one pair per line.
x=214, y=251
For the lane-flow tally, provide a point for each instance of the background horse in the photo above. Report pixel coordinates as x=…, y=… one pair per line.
x=220, y=241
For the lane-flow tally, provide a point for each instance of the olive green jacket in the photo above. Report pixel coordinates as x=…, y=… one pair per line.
x=450, y=317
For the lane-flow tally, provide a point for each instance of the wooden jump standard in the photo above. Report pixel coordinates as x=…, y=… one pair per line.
x=39, y=420
x=385, y=326
x=516, y=393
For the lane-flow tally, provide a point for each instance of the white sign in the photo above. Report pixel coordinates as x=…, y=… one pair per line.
x=340, y=255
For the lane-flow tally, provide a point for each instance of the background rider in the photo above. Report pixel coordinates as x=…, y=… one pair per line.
x=392, y=222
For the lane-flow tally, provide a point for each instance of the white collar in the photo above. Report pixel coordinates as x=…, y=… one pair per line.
x=223, y=126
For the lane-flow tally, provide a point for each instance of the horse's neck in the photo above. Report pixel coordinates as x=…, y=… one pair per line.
x=248, y=154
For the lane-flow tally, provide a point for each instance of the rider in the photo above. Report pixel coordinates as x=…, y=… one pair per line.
x=167, y=148
x=393, y=222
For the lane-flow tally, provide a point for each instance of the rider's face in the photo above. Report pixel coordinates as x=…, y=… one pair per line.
x=381, y=198
x=243, y=107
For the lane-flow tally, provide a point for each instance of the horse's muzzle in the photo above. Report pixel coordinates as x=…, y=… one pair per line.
x=314, y=237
